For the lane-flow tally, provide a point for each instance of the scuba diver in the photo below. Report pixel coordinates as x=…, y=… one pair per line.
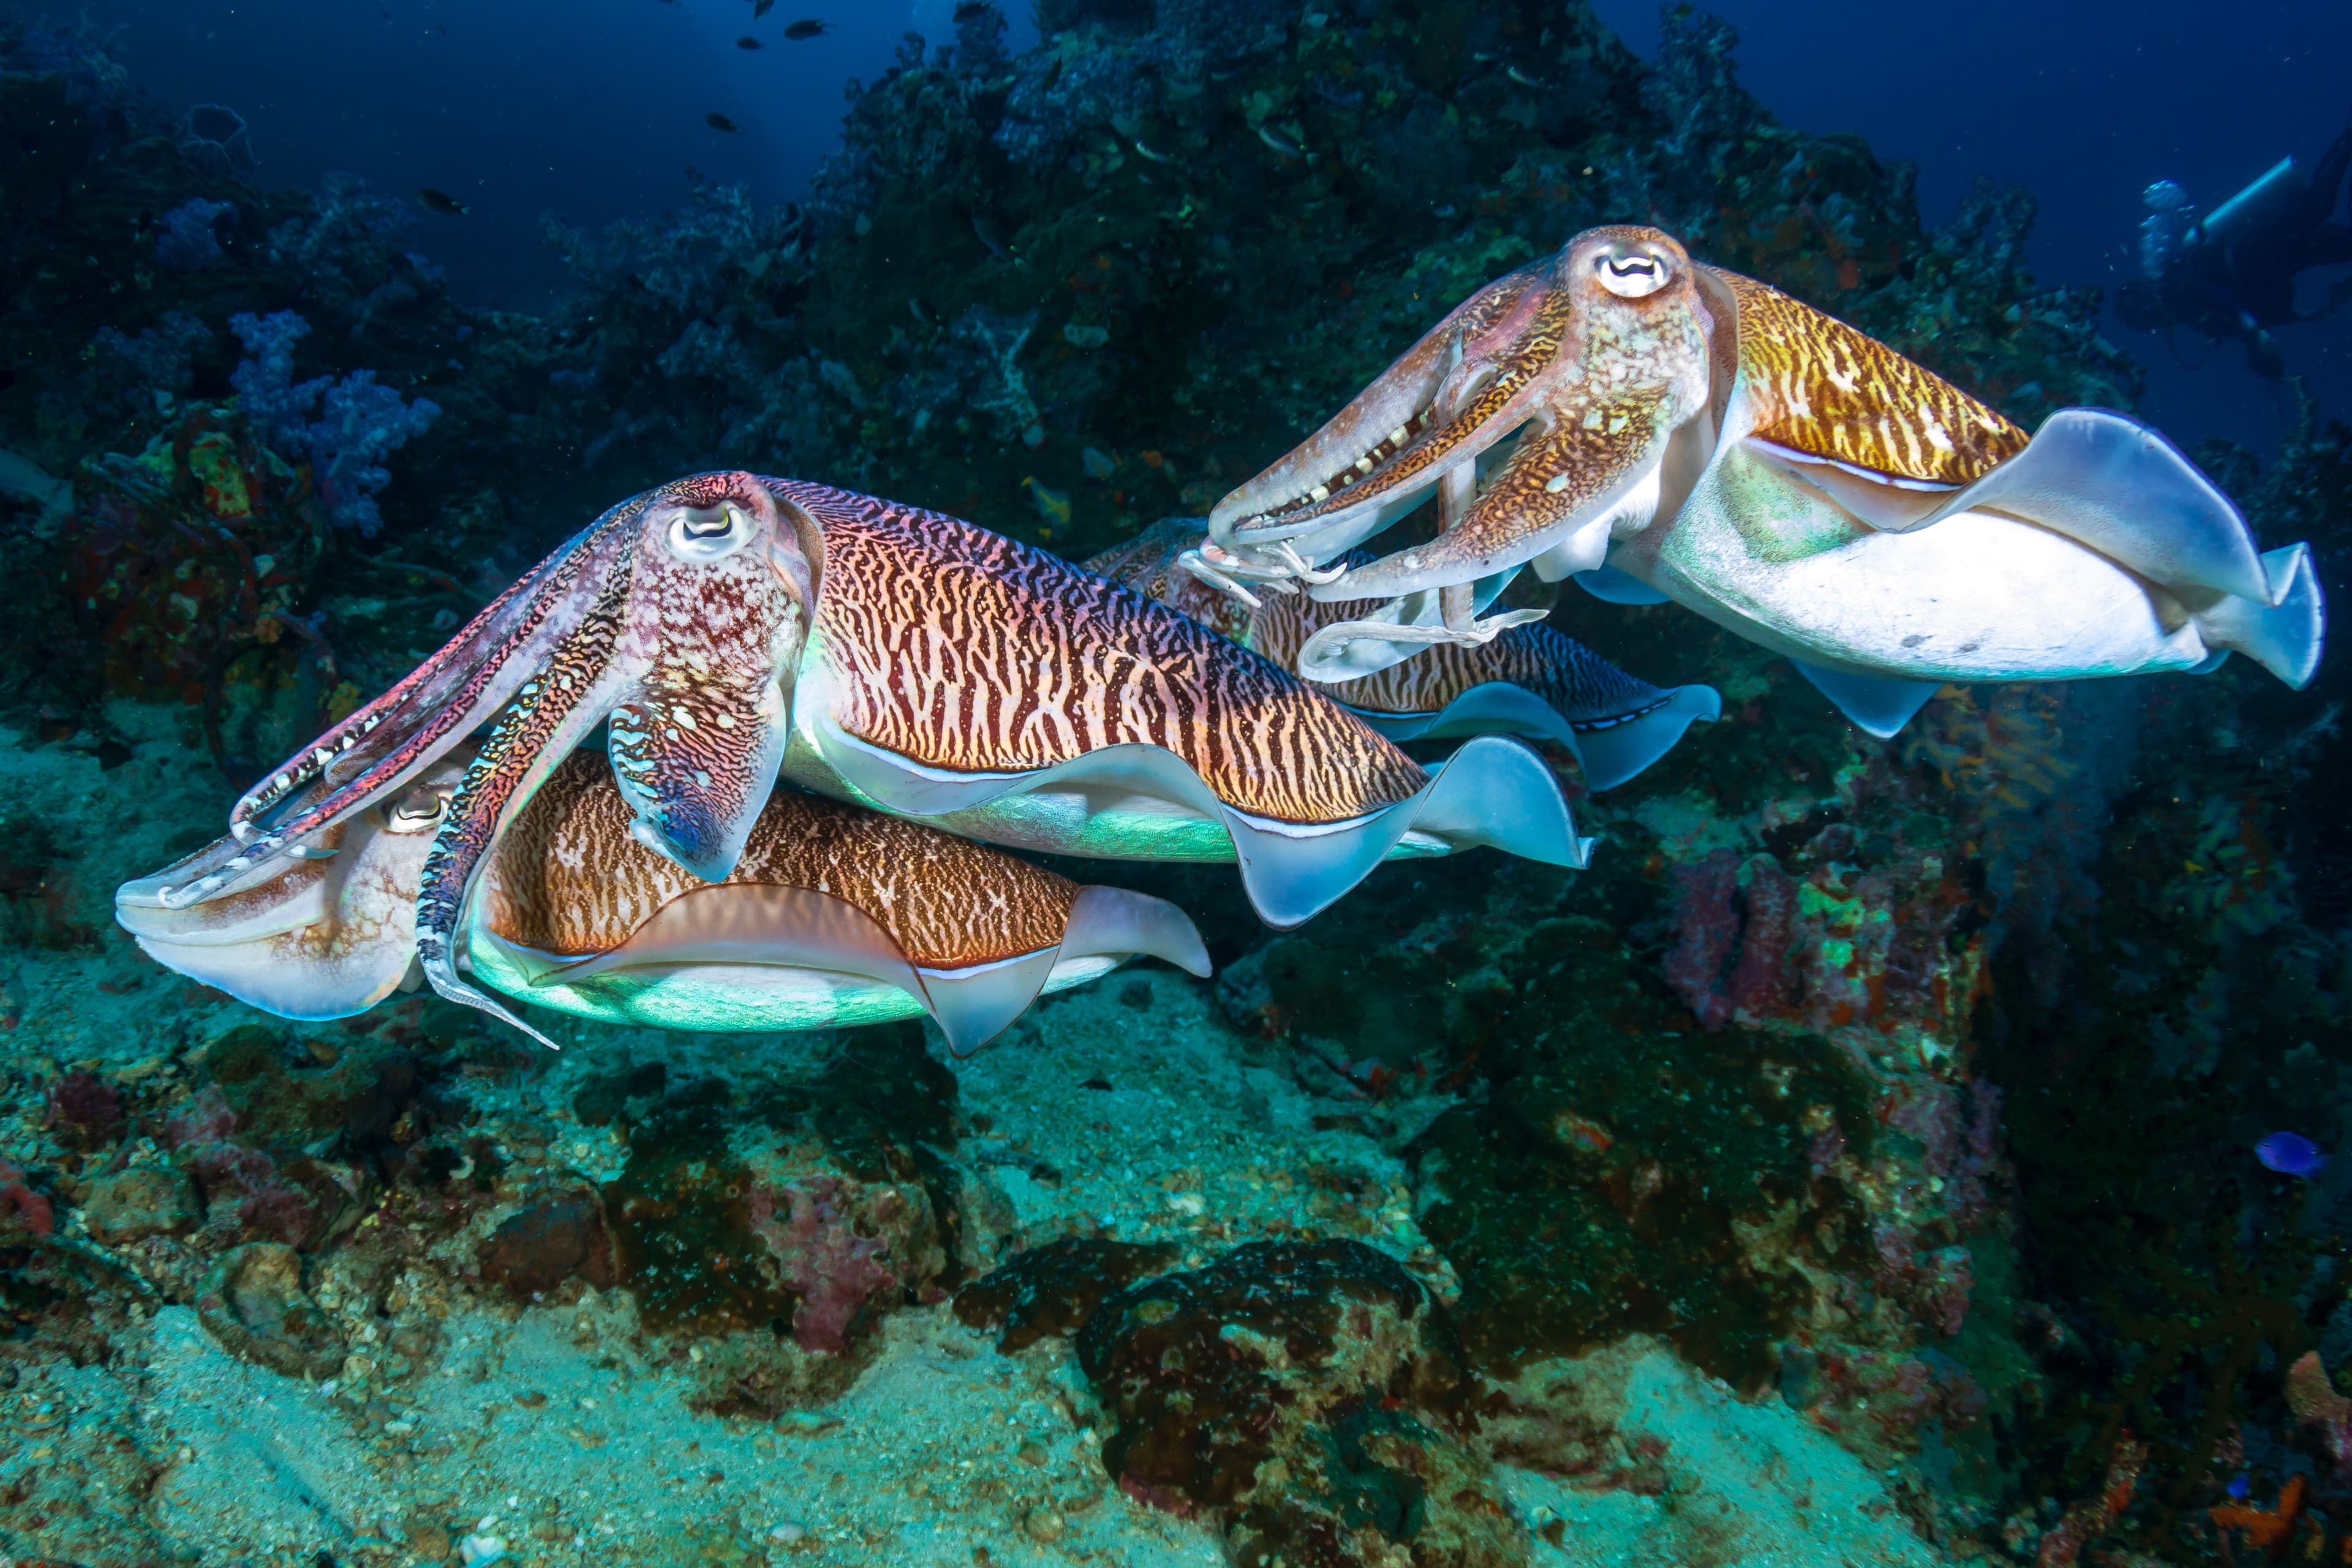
x=2231, y=274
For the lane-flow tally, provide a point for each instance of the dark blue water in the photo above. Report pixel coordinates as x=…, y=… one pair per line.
x=593, y=112
x=2084, y=104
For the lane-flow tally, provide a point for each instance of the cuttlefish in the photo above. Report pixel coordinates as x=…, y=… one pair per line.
x=1529, y=680
x=727, y=630
x=831, y=916
x=1661, y=429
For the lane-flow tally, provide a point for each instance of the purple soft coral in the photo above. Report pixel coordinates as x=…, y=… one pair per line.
x=359, y=423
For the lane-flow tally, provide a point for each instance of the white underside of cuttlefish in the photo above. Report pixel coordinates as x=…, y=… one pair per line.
x=835, y=917
x=1833, y=501
x=727, y=626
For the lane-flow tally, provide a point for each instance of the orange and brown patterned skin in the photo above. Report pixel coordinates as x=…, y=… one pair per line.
x=965, y=651
x=1541, y=329
x=568, y=878
x=1819, y=387
x=1581, y=685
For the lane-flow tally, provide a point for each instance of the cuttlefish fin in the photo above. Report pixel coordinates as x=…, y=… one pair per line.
x=972, y=1006
x=1490, y=708
x=1565, y=489
x=1115, y=923
x=1491, y=792
x=2284, y=631
x=1618, y=587
x=1613, y=753
x=1610, y=752
x=696, y=767
x=1879, y=704
x=2094, y=475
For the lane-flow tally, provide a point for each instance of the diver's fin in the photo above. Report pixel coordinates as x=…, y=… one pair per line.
x=1607, y=583
x=972, y=1006
x=797, y=927
x=1615, y=753
x=1878, y=703
x=2285, y=635
x=1114, y=922
x=2118, y=487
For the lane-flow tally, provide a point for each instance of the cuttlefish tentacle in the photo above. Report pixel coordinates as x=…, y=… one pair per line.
x=1529, y=680
x=550, y=713
x=1374, y=459
x=382, y=747
x=833, y=916
x=1602, y=351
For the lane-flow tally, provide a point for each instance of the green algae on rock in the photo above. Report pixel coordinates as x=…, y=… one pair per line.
x=1627, y=1169
x=1309, y=1395
x=1055, y=1289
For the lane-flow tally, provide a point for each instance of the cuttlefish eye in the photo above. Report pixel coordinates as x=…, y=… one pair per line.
x=419, y=811
x=709, y=534
x=1631, y=276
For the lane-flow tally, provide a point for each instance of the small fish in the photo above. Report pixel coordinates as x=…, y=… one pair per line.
x=2240, y=1485
x=747, y=42
x=972, y=11
x=1522, y=78
x=1279, y=143
x=807, y=27
x=761, y=8
x=1156, y=156
x=2290, y=1155
x=717, y=122
x=1053, y=505
x=442, y=202
x=1097, y=465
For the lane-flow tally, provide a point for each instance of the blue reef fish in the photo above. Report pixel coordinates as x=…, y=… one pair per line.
x=807, y=27
x=2290, y=1155
x=717, y=122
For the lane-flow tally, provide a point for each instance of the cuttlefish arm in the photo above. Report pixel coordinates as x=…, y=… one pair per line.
x=1602, y=350
x=320, y=939
x=1900, y=448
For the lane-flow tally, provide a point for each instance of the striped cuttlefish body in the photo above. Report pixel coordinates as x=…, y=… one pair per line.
x=833, y=916
x=1529, y=680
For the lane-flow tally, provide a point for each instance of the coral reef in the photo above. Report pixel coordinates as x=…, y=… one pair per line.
x=1857, y=1158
